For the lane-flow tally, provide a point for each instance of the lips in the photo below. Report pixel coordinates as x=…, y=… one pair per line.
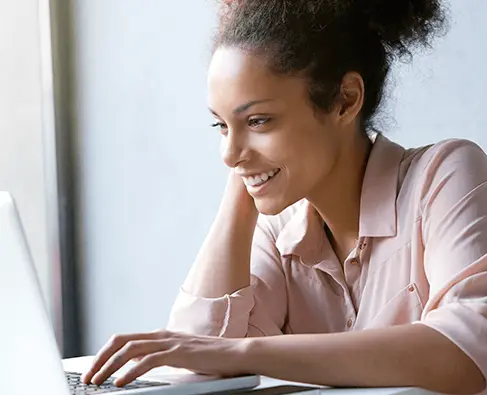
x=259, y=179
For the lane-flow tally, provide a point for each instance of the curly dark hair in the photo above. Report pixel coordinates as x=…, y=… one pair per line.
x=325, y=39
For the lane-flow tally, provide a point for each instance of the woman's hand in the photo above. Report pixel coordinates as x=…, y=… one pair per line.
x=236, y=196
x=201, y=354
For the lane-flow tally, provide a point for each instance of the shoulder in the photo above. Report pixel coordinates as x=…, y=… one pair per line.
x=456, y=165
x=446, y=151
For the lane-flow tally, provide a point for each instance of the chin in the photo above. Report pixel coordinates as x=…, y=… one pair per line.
x=270, y=206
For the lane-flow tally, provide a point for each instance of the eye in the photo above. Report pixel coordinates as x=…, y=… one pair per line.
x=257, y=122
x=220, y=125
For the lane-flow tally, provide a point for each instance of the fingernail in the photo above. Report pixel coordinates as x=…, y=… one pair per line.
x=118, y=382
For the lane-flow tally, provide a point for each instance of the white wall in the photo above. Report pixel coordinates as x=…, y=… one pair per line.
x=442, y=93
x=150, y=168
x=21, y=126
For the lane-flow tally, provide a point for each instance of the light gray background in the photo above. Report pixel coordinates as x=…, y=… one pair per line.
x=24, y=147
x=150, y=171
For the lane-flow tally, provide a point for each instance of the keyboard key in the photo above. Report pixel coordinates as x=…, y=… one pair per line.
x=76, y=387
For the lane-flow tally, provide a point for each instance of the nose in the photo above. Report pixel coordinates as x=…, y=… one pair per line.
x=234, y=149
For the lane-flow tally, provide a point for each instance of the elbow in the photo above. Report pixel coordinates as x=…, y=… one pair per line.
x=465, y=379
x=465, y=386
x=457, y=359
x=473, y=382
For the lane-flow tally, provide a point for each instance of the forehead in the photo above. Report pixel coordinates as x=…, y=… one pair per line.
x=236, y=76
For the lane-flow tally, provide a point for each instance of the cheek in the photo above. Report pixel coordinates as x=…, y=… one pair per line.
x=312, y=160
x=271, y=147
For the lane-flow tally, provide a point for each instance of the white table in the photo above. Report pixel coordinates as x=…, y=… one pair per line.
x=81, y=364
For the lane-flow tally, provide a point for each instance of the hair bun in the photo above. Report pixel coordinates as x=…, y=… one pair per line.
x=402, y=24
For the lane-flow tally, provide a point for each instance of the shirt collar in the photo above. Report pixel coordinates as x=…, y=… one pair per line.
x=378, y=216
x=304, y=236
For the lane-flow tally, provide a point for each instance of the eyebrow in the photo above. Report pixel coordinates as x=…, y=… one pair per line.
x=244, y=107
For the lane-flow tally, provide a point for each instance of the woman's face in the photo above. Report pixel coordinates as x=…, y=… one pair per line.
x=271, y=135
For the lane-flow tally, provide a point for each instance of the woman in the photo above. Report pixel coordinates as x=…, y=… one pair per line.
x=337, y=257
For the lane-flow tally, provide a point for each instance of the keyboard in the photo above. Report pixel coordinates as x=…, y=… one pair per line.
x=77, y=387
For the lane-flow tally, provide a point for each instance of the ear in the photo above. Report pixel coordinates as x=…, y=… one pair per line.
x=351, y=98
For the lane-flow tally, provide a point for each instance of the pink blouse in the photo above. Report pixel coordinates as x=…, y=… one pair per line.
x=421, y=258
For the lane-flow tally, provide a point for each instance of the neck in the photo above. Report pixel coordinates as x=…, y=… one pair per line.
x=337, y=198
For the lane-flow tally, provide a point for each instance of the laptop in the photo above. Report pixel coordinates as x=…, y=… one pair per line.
x=30, y=362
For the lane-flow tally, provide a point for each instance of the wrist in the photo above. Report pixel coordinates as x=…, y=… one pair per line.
x=249, y=354
x=237, y=199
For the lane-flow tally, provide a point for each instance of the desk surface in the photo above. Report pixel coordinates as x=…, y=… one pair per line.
x=268, y=385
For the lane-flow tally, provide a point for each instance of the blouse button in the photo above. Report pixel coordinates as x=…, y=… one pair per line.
x=349, y=323
x=411, y=288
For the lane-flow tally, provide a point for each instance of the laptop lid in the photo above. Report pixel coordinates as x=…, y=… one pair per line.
x=30, y=362
x=28, y=350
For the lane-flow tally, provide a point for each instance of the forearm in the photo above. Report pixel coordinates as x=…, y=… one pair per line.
x=410, y=355
x=223, y=262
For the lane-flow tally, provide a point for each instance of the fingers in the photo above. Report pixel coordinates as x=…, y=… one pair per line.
x=131, y=349
x=147, y=363
x=116, y=343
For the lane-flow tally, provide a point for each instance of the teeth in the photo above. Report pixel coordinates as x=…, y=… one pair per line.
x=259, y=178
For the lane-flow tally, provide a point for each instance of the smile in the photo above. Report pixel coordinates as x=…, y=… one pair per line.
x=260, y=179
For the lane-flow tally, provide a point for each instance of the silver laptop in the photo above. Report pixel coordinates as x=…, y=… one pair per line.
x=30, y=362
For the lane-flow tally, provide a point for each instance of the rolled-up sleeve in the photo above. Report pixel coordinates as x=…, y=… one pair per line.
x=454, y=231
x=257, y=310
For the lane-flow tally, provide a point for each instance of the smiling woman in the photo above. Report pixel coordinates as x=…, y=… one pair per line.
x=337, y=257
x=259, y=113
